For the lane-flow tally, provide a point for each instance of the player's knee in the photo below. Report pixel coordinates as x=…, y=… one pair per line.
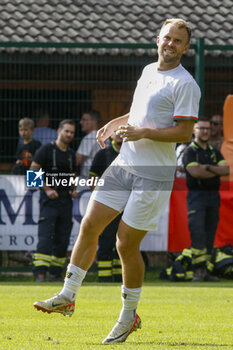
x=124, y=246
x=87, y=225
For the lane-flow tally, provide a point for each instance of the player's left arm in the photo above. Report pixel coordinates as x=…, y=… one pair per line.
x=181, y=132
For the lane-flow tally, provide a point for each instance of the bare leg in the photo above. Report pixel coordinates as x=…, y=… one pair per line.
x=97, y=217
x=128, y=246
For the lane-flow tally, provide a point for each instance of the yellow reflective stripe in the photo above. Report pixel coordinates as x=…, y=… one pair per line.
x=179, y=275
x=199, y=259
x=117, y=271
x=198, y=251
x=192, y=163
x=93, y=174
x=103, y=264
x=55, y=263
x=180, y=257
x=188, y=274
x=105, y=273
x=222, y=161
x=114, y=147
x=187, y=252
x=209, y=265
x=169, y=271
x=194, y=145
x=39, y=256
x=41, y=263
x=116, y=262
x=220, y=256
x=58, y=261
x=191, y=212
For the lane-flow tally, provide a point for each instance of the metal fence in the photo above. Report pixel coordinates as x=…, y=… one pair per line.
x=67, y=79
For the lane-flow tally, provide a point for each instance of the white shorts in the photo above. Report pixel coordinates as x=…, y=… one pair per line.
x=142, y=200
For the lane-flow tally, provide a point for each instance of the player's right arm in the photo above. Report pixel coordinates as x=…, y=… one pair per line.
x=107, y=130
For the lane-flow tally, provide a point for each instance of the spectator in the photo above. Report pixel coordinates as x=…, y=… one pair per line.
x=27, y=148
x=216, y=134
x=42, y=132
x=108, y=261
x=88, y=147
x=180, y=171
x=204, y=165
x=55, y=220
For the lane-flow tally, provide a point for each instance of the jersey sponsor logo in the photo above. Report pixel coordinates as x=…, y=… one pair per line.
x=35, y=178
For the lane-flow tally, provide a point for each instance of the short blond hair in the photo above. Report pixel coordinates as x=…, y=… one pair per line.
x=26, y=122
x=179, y=23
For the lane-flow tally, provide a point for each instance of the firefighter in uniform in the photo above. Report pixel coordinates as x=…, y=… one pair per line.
x=108, y=261
x=203, y=165
x=57, y=160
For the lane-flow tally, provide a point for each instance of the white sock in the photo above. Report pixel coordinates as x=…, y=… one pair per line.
x=130, y=298
x=73, y=281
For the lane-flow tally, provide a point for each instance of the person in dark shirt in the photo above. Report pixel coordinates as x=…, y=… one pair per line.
x=203, y=165
x=57, y=160
x=27, y=148
x=108, y=261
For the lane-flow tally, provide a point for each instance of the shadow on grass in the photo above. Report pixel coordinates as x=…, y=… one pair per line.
x=214, y=345
x=153, y=344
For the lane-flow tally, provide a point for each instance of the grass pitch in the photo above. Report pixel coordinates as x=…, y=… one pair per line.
x=174, y=316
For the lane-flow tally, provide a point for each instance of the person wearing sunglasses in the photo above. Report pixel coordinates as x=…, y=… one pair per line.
x=216, y=133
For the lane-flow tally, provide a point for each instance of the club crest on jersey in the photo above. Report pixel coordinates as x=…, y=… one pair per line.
x=124, y=295
x=68, y=274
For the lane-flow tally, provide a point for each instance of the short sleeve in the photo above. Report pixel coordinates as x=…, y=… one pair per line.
x=41, y=154
x=97, y=167
x=187, y=98
x=219, y=156
x=88, y=145
x=189, y=157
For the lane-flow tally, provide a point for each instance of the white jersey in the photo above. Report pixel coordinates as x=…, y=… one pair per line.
x=160, y=99
x=88, y=148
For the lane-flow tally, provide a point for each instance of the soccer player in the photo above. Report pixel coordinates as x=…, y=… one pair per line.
x=139, y=181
